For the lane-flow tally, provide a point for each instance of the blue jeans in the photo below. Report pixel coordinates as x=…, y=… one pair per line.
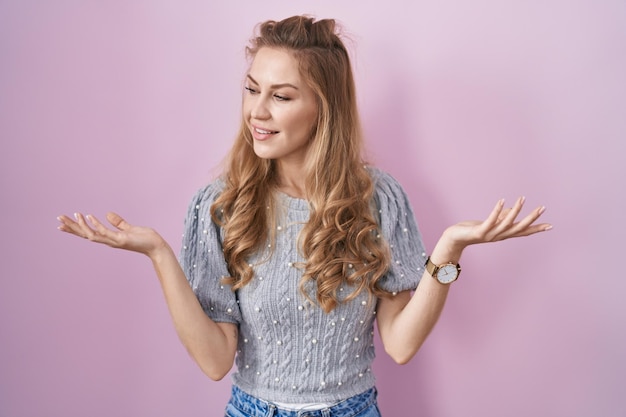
x=245, y=405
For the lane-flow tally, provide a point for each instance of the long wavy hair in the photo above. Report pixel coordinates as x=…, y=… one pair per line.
x=340, y=241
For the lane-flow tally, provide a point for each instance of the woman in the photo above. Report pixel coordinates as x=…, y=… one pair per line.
x=293, y=252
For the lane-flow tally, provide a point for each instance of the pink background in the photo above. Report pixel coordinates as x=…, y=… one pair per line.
x=131, y=106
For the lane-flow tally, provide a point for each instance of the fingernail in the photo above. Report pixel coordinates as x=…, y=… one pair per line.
x=547, y=228
x=522, y=199
x=542, y=209
x=76, y=216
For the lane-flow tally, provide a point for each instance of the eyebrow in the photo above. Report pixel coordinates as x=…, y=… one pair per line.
x=274, y=86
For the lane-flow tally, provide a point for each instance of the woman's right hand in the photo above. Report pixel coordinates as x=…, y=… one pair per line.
x=125, y=236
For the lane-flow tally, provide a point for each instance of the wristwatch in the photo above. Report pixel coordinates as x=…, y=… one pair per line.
x=445, y=274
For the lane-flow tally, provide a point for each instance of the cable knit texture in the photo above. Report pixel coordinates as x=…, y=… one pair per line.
x=289, y=349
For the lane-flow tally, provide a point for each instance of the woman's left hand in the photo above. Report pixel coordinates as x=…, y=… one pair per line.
x=501, y=224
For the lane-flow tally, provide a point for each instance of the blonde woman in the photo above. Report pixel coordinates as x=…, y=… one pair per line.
x=293, y=253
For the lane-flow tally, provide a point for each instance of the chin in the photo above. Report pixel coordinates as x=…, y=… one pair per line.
x=263, y=155
x=263, y=151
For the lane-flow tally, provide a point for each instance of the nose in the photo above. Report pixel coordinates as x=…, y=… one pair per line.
x=260, y=110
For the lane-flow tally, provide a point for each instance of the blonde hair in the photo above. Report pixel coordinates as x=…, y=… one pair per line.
x=339, y=242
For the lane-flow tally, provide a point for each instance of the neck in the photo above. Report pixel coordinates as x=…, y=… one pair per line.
x=291, y=179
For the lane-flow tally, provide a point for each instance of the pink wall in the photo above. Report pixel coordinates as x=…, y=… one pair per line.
x=130, y=106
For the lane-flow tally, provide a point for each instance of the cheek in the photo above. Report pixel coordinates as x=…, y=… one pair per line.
x=245, y=108
x=312, y=123
x=304, y=118
x=306, y=127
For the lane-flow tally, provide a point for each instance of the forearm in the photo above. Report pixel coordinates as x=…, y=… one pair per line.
x=212, y=345
x=412, y=325
x=412, y=321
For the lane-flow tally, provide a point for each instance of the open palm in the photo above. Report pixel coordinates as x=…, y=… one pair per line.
x=123, y=235
x=501, y=224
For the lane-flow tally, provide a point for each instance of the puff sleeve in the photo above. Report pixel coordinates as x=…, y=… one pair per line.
x=202, y=259
x=398, y=226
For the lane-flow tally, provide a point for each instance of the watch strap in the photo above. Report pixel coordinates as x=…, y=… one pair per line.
x=431, y=267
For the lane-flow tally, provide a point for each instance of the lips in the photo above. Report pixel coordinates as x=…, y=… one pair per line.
x=262, y=134
x=263, y=131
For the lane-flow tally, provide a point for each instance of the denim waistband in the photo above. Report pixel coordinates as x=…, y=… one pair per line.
x=256, y=407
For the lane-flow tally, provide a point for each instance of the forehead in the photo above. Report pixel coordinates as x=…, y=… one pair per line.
x=275, y=66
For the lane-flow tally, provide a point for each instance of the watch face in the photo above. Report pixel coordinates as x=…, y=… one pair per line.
x=447, y=273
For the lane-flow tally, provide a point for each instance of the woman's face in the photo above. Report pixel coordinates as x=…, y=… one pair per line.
x=280, y=109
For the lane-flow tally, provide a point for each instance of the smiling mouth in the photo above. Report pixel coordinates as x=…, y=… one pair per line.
x=264, y=132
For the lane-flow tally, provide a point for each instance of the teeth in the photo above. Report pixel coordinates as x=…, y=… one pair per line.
x=263, y=132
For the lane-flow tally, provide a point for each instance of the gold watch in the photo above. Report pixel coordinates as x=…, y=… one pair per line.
x=445, y=274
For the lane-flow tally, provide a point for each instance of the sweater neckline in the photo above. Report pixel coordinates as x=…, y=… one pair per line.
x=294, y=203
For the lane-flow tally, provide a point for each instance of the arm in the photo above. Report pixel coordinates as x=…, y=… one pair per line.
x=212, y=345
x=404, y=322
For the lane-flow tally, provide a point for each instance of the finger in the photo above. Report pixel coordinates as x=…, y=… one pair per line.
x=117, y=221
x=102, y=234
x=84, y=229
x=536, y=228
x=508, y=220
x=65, y=220
x=505, y=212
x=526, y=226
x=67, y=225
x=97, y=224
x=531, y=218
x=494, y=216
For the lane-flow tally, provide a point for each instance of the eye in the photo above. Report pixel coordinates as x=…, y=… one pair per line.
x=251, y=90
x=281, y=98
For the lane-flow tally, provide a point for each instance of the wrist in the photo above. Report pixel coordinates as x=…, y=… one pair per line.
x=160, y=251
x=447, y=250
